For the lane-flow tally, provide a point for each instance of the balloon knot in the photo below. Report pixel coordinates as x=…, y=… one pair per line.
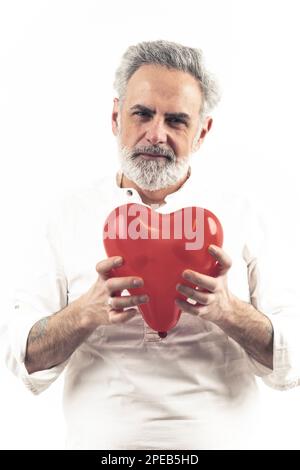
x=162, y=334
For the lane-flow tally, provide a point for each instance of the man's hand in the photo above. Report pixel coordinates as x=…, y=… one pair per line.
x=238, y=319
x=211, y=294
x=102, y=304
x=53, y=339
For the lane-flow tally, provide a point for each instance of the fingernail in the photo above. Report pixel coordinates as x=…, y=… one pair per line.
x=177, y=286
x=118, y=261
x=144, y=298
x=138, y=283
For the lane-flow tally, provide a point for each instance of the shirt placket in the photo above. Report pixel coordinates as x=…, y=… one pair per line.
x=150, y=335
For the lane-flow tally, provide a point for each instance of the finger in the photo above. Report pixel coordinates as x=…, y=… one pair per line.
x=105, y=266
x=224, y=261
x=200, y=280
x=200, y=297
x=127, y=301
x=121, y=317
x=197, y=311
x=120, y=283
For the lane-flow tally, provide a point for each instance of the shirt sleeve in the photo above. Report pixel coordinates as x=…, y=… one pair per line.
x=273, y=291
x=42, y=293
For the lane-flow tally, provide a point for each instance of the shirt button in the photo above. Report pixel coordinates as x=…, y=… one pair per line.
x=129, y=192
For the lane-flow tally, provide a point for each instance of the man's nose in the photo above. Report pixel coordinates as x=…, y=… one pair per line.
x=156, y=132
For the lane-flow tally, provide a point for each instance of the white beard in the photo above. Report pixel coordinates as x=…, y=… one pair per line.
x=152, y=175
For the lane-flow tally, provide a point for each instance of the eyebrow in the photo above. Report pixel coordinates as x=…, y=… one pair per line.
x=140, y=107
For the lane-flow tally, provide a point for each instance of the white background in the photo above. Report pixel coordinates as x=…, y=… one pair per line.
x=57, y=63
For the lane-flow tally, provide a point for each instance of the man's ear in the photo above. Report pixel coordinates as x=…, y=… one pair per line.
x=205, y=129
x=114, y=117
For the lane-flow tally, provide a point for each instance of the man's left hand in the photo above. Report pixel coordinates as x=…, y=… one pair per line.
x=216, y=301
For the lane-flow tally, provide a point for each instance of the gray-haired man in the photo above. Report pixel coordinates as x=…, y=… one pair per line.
x=125, y=387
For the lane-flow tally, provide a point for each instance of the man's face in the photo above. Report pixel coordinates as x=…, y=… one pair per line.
x=157, y=126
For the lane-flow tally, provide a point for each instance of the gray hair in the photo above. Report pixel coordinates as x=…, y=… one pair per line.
x=173, y=56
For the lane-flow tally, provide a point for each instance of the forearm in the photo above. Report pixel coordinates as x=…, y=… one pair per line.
x=54, y=338
x=251, y=329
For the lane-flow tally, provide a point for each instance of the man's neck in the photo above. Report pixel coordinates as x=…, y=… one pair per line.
x=153, y=197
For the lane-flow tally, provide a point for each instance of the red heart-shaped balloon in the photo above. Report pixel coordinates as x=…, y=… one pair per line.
x=158, y=248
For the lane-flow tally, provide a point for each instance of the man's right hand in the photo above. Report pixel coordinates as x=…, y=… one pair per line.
x=102, y=304
x=53, y=339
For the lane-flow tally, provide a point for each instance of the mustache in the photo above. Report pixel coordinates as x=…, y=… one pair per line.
x=154, y=150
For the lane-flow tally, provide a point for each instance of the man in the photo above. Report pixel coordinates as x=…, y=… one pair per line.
x=126, y=387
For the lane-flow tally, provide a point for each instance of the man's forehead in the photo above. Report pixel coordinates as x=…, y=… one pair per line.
x=153, y=85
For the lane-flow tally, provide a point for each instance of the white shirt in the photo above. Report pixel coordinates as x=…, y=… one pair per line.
x=125, y=387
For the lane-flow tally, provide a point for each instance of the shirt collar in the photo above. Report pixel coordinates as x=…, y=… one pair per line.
x=186, y=185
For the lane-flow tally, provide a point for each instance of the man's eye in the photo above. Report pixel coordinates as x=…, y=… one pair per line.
x=142, y=113
x=176, y=121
